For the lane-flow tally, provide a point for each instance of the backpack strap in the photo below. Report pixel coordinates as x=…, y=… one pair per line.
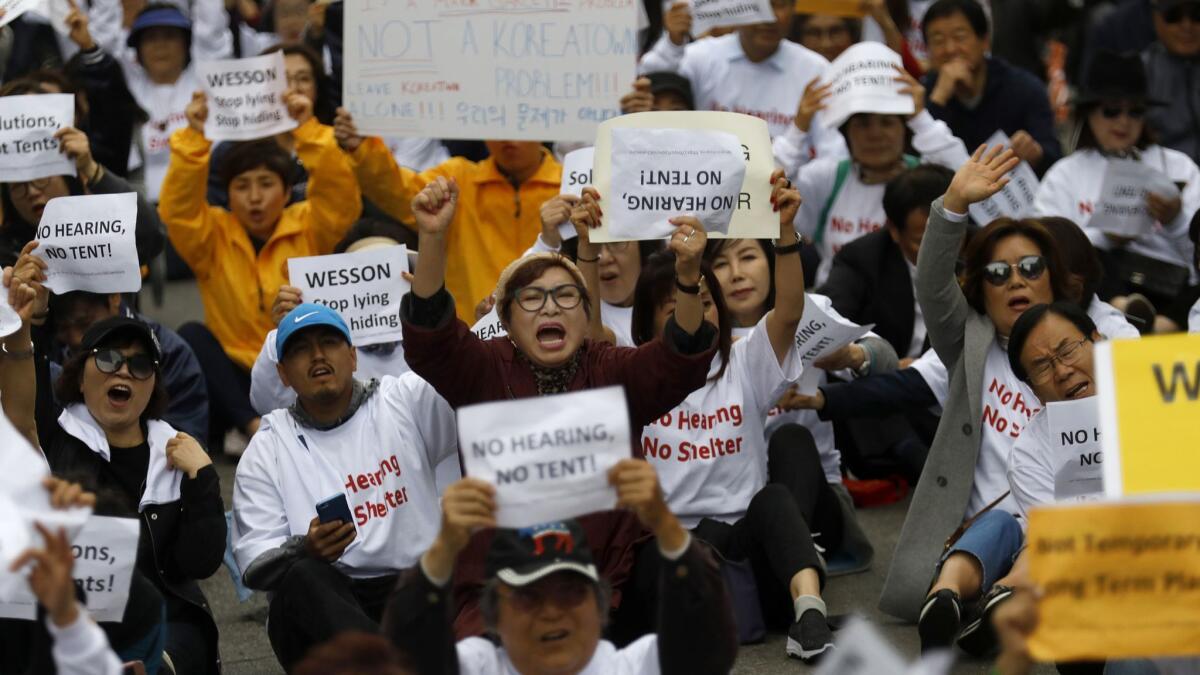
x=843, y=170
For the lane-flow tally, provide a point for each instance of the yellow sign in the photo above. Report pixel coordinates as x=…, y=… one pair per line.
x=850, y=8
x=1149, y=393
x=1118, y=580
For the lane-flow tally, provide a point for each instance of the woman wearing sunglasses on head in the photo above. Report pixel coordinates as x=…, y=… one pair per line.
x=100, y=425
x=1158, y=264
x=961, y=531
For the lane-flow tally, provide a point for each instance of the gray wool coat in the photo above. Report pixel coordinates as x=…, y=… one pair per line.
x=962, y=338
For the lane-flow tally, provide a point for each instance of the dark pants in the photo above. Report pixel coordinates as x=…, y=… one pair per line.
x=314, y=602
x=794, y=463
x=228, y=385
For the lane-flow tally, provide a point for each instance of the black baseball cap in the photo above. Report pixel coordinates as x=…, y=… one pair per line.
x=663, y=82
x=101, y=331
x=522, y=556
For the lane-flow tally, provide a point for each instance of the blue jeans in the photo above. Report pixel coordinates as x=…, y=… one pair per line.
x=994, y=540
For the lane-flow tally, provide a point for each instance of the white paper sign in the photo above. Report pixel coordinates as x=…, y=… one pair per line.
x=245, y=98
x=710, y=14
x=549, y=70
x=818, y=335
x=862, y=650
x=14, y=8
x=754, y=217
x=576, y=175
x=364, y=287
x=105, y=553
x=864, y=81
x=1078, y=457
x=1122, y=207
x=9, y=320
x=548, y=456
x=1016, y=199
x=28, y=149
x=659, y=174
x=489, y=326
x=88, y=243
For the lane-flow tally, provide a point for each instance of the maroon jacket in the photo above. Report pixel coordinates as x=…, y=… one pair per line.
x=464, y=369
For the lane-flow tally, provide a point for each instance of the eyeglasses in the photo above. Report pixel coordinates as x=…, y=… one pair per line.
x=1176, y=13
x=1030, y=268
x=533, y=299
x=564, y=591
x=1112, y=112
x=1068, y=355
x=109, y=361
x=22, y=189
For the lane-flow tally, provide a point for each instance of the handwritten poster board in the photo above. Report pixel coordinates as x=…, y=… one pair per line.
x=546, y=70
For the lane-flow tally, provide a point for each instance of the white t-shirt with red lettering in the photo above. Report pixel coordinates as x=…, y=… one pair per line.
x=1008, y=406
x=382, y=459
x=710, y=451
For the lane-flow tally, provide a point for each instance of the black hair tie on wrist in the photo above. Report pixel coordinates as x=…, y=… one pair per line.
x=790, y=248
x=693, y=289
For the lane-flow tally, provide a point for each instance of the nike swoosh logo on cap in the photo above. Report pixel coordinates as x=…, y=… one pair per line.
x=302, y=317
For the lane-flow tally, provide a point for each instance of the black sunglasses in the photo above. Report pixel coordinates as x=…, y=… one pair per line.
x=1176, y=13
x=109, y=361
x=1112, y=112
x=1029, y=267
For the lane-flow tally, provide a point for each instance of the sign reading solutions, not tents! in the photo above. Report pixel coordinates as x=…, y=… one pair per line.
x=546, y=70
x=547, y=456
x=28, y=148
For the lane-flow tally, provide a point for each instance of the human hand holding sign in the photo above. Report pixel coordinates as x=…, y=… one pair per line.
x=74, y=144
x=51, y=580
x=909, y=86
x=980, y=177
x=586, y=217
x=1026, y=148
x=287, y=299
x=299, y=106
x=638, y=100
x=345, y=132
x=77, y=28
x=554, y=212
x=852, y=356
x=792, y=399
x=638, y=490
x=468, y=505
x=812, y=102
x=197, y=111
x=678, y=22
x=31, y=270
x=185, y=454
x=1163, y=209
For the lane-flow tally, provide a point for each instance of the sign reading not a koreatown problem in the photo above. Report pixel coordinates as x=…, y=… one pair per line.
x=753, y=217
x=245, y=97
x=710, y=14
x=1149, y=392
x=545, y=70
x=363, y=287
x=548, y=456
x=89, y=243
x=1118, y=580
x=658, y=174
x=28, y=148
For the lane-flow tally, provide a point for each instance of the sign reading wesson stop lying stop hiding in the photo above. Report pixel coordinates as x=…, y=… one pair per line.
x=547, y=456
x=245, y=98
x=364, y=287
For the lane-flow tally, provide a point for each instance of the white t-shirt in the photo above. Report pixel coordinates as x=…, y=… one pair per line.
x=1194, y=318
x=620, y=321
x=917, y=343
x=417, y=154
x=1071, y=189
x=857, y=208
x=1034, y=470
x=1008, y=407
x=382, y=459
x=710, y=451
x=724, y=79
x=479, y=656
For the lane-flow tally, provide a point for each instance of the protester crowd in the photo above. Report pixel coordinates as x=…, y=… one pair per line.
x=977, y=325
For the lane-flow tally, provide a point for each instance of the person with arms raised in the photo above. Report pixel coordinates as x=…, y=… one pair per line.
x=548, y=310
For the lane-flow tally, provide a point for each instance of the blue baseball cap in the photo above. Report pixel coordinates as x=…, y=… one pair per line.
x=171, y=17
x=308, y=315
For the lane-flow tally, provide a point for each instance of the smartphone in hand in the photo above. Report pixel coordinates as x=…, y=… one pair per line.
x=334, y=508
